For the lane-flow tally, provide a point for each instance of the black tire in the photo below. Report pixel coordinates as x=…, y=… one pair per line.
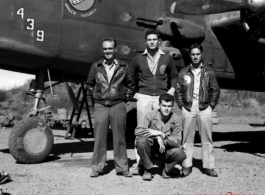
x=6, y=123
x=30, y=141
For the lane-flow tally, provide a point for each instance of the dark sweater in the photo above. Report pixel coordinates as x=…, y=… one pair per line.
x=164, y=78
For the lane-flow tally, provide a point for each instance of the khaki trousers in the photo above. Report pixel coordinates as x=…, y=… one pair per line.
x=115, y=116
x=203, y=119
x=145, y=104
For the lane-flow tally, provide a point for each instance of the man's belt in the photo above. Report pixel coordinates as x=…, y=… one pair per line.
x=107, y=103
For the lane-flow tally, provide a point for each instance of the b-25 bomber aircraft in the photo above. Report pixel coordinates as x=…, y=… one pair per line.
x=59, y=40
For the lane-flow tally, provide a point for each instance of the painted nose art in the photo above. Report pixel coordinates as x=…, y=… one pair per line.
x=75, y=2
x=82, y=5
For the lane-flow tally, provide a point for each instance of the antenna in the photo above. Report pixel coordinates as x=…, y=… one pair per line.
x=54, y=95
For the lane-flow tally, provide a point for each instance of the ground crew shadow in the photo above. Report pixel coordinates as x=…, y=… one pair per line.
x=83, y=146
x=253, y=141
x=110, y=165
x=5, y=151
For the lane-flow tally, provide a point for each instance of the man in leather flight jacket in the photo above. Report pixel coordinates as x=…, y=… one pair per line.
x=110, y=83
x=197, y=94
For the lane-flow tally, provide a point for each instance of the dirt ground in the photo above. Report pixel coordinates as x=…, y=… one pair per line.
x=239, y=153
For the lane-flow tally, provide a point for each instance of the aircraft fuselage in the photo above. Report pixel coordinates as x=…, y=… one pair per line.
x=64, y=36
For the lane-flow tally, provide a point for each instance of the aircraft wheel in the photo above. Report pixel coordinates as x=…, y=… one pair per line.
x=30, y=141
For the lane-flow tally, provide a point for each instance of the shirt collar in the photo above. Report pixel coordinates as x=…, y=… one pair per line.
x=115, y=62
x=201, y=66
x=158, y=52
x=158, y=116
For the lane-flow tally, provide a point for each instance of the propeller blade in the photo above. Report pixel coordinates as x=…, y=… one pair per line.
x=205, y=7
x=71, y=95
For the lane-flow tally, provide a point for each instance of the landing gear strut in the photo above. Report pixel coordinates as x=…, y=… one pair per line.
x=31, y=139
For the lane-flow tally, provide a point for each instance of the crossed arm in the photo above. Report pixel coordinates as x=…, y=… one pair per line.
x=159, y=136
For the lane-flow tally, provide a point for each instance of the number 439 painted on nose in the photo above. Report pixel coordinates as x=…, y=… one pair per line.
x=30, y=26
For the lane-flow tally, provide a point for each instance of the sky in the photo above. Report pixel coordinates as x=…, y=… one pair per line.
x=10, y=79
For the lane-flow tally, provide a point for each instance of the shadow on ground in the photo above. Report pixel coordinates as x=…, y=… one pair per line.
x=257, y=125
x=84, y=146
x=77, y=161
x=248, y=142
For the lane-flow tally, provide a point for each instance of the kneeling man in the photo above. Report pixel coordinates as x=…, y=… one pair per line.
x=160, y=132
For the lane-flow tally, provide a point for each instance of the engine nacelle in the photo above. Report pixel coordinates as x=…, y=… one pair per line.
x=173, y=52
x=180, y=28
x=256, y=5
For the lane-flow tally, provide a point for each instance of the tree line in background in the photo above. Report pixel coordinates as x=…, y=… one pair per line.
x=15, y=101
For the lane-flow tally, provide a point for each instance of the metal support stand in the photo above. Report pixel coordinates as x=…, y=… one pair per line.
x=72, y=128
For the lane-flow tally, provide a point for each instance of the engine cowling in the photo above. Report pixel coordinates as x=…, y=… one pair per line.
x=254, y=23
x=183, y=29
x=203, y=7
x=256, y=5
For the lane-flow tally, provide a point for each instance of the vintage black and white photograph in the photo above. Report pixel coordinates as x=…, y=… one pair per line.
x=132, y=97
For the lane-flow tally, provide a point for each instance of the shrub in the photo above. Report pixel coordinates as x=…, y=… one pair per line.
x=62, y=99
x=3, y=95
x=241, y=103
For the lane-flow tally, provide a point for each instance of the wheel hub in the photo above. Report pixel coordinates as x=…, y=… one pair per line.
x=35, y=141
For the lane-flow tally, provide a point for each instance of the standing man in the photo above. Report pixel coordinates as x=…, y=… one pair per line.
x=160, y=133
x=109, y=81
x=197, y=94
x=157, y=75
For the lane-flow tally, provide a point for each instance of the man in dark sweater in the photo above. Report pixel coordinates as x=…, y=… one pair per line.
x=157, y=75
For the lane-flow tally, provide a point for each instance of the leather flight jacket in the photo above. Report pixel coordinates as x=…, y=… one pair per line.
x=120, y=89
x=209, y=91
